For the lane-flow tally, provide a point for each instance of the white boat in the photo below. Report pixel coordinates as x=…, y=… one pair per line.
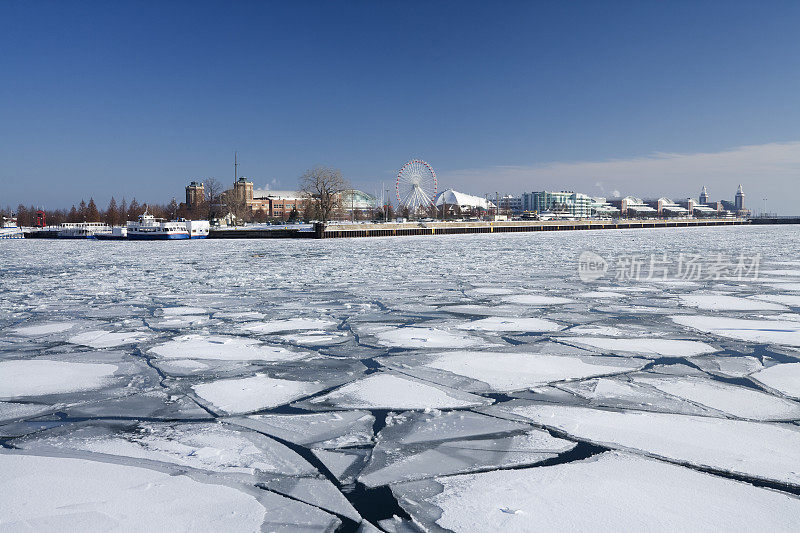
x=9, y=229
x=82, y=230
x=118, y=233
x=149, y=227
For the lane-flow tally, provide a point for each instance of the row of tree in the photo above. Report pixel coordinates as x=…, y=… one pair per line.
x=115, y=214
x=321, y=187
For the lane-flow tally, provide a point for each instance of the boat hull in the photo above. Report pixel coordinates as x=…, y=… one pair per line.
x=19, y=235
x=157, y=236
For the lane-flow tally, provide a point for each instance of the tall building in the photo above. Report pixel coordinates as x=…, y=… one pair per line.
x=195, y=195
x=511, y=203
x=704, y=195
x=573, y=203
x=243, y=190
x=738, y=201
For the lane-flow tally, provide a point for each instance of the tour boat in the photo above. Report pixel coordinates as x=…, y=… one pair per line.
x=118, y=233
x=149, y=227
x=10, y=230
x=82, y=230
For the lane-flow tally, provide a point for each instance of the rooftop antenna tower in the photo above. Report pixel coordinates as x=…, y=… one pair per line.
x=235, y=167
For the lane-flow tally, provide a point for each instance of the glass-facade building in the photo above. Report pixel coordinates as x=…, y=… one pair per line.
x=575, y=204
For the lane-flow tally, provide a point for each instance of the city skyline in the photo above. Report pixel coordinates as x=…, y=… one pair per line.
x=647, y=99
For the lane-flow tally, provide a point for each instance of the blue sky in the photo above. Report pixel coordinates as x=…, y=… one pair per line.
x=138, y=98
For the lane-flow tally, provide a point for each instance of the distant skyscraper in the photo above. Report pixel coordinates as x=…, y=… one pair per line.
x=704, y=195
x=738, y=202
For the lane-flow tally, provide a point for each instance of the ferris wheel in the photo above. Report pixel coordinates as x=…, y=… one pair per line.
x=416, y=185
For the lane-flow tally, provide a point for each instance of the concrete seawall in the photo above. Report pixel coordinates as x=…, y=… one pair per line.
x=335, y=231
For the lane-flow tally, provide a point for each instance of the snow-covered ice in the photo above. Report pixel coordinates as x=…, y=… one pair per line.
x=64, y=493
x=537, y=300
x=532, y=325
x=761, y=331
x=782, y=378
x=39, y=377
x=251, y=384
x=245, y=395
x=394, y=391
x=721, y=302
x=417, y=337
x=610, y=492
x=755, y=449
x=222, y=347
x=510, y=371
x=662, y=347
x=289, y=324
x=108, y=339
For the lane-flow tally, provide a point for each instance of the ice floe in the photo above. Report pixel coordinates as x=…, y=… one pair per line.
x=502, y=324
x=763, y=331
x=393, y=391
x=63, y=493
x=202, y=445
x=758, y=450
x=536, y=300
x=223, y=348
x=394, y=463
x=611, y=492
x=289, y=324
x=782, y=378
x=418, y=337
x=662, y=347
x=38, y=377
x=318, y=430
x=245, y=395
x=510, y=371
x=44, y=329
x=741, y=402
x=720, y=302
x=108, y=339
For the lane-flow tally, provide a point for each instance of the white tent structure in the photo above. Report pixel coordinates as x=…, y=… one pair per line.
x=466, y=202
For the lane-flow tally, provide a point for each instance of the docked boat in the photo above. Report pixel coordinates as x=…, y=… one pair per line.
x=82, y=230
x=118, y=233
x=9, y=229
x=149, y=227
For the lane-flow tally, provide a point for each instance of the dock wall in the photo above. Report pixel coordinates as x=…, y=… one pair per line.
x=336, y=231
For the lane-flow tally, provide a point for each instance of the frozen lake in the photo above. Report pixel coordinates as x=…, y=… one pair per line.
x=407, y=384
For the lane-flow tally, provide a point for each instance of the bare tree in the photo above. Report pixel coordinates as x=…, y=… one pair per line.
x=213, y=190
x=323, y=186
x=237, y=206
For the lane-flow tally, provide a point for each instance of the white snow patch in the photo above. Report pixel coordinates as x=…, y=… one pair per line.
x=764, y=331
x=496, y=323
x=517, y=371
x=757, y=449
x=610, y=492
x=43, y=329
x=417, y=337
x=290, y=324
x=536, y=300
x=236, y=396
x=782, y=378
x=65, y=494
x=38, y=377
x=391, y=391
x=662, y=347
x=223, y=348
x=719, y=302
x=740, y=402
x=107, y=339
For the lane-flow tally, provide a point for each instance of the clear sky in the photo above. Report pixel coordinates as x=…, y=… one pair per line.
x=643, y=98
